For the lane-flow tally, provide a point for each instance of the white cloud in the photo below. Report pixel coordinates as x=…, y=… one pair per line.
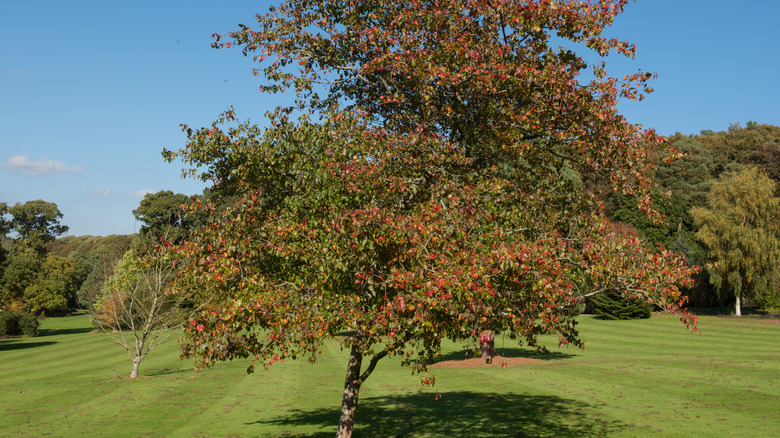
x=104, y=192
x=141, y=193
x=42, y=166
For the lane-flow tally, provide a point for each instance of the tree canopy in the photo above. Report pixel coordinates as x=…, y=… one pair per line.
x=5, y=224
x=163, y=216
x=684, y=184
x=740, y=230
x=36, y=222
x=31, y=278
x=752, y=144
x=437, y=176
x=136, y=310
x=55, y=287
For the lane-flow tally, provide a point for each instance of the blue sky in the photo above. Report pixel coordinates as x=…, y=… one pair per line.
x=92, y=91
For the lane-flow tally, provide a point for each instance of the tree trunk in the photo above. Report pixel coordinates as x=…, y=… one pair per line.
x=136, y=367
x=487, y=345
x=738, y=306
x=351, y=390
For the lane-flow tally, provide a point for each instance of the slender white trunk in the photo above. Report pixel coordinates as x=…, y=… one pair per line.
x=738, y=307
x=136, y=367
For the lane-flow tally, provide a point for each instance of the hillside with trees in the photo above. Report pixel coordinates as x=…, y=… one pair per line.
x=45, y=274
x=685, y=185
x=34, y=279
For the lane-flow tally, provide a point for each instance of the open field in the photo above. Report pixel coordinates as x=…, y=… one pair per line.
x=635, y=378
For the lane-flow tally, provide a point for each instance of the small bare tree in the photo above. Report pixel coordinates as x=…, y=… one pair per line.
x=137, y=310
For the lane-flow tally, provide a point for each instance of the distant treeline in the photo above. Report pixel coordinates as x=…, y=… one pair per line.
x=685, y=184
x=42, y=273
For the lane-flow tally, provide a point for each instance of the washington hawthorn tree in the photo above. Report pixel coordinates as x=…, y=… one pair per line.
x=439, y=174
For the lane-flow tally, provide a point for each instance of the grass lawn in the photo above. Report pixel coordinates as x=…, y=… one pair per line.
x=635, y=378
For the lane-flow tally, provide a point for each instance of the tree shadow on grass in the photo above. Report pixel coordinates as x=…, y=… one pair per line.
x=729, y=311
x=507, y=352
x=165, y=371
x=67, y=331
x=14, y=344
x=462, y=413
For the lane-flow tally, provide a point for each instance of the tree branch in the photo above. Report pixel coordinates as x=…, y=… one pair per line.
x=376, y=358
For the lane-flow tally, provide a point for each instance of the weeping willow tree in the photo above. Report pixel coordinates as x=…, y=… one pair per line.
x=740, y=230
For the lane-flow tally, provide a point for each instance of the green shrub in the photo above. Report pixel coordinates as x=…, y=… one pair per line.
x=9, y=323
x=579, y=308
x=28, y=324
x=17, y=324
x=612, y=305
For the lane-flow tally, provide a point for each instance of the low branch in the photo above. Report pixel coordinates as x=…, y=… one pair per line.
x=377, y=357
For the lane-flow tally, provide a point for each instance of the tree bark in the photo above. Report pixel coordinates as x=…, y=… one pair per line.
x=351, y=390
x=487, y=345
x=738, y=306
x=136, y=367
